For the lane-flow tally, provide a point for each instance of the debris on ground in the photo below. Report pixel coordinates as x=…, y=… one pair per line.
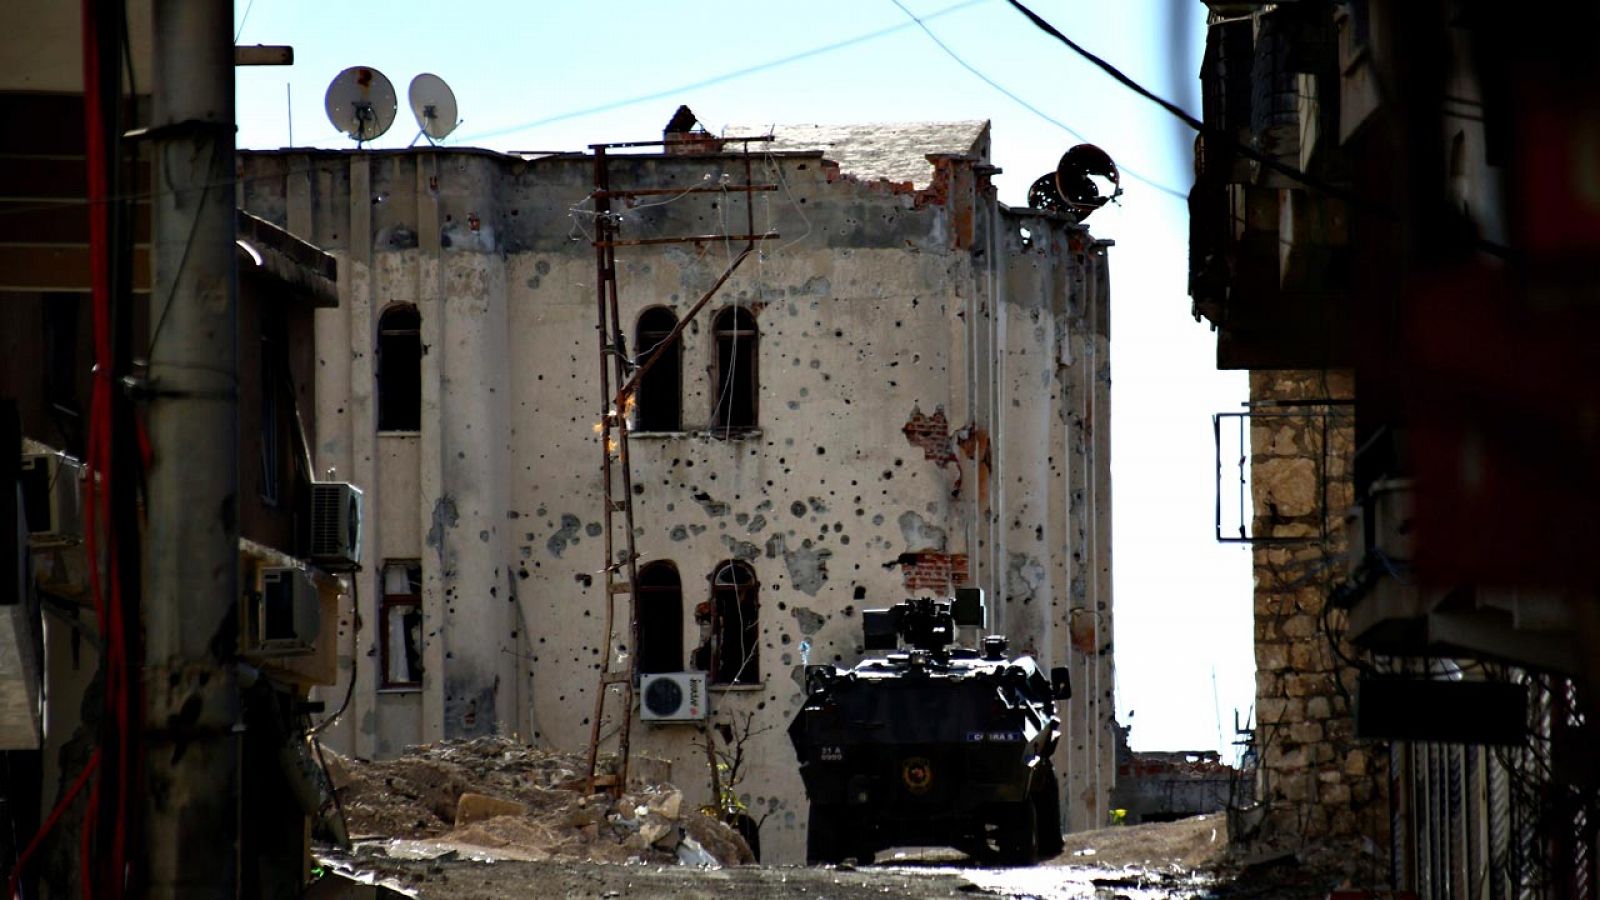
x=493, y=798
x=1191, y=843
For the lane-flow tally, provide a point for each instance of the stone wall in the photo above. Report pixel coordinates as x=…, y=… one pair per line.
x=1316, y=781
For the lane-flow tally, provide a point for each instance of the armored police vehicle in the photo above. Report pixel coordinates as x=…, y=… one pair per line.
x=931, y=745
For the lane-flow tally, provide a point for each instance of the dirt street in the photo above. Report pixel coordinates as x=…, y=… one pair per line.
x=1186, y=859
x=459, y=879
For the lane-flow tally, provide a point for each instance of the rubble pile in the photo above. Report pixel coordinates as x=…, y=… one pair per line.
x=494, y=798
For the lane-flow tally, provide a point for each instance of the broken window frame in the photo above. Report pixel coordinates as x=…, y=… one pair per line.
x=406, y=602
x=660, y=641
x=735, y=617
x=664, y=380
x=735, y=383
x=1328, y=412
x=399, y=369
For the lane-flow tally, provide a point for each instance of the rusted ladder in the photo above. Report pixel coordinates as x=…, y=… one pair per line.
x=621, y=571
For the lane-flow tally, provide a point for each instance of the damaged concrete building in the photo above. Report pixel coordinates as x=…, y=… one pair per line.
x=905, y=392
x=1166, y=785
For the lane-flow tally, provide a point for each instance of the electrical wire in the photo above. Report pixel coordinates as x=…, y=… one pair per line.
x=14, y=882
x=151, y=195
x=239, y=32
x=102, y=155
x=776, y=167
x=1233, y=143
x=718, y=79
x=194, y=226
x=355, y=633
x=1133, y=173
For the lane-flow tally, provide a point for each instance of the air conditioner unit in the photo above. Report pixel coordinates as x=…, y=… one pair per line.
x=286, y=616
x=335, y=524
x=673, y=697
x=52, y=499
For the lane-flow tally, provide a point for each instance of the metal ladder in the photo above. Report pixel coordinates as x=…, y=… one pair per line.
x=620, y=574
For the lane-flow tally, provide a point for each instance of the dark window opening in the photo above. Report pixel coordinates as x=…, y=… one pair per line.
x=62, y=368
x=660, y=619
x=400, y=369
x=735, y=382
x=750, y=830
x=659, y=405
x=734, y=652
x=274, y=373
x=400, y=621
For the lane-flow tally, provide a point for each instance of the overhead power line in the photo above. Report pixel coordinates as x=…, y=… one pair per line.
x=1177, y=111
x=718, y=79
x=1025, y=104
x=1369, y=205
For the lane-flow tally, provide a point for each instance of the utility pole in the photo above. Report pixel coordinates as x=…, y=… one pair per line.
x=192, y=706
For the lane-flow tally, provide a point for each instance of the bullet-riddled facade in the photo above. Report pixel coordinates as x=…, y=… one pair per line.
x=922, y=404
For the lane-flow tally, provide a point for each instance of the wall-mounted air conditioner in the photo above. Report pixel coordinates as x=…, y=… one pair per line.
x=286, y=615
x=52, y=499
x=673, y=697
x=335, y=525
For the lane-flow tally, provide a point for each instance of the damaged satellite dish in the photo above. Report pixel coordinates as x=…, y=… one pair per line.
x=1043, y=195
x=1086, y=178
x=434, y=105
x=361, y=103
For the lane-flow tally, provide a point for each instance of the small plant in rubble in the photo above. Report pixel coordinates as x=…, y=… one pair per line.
x=727, y=767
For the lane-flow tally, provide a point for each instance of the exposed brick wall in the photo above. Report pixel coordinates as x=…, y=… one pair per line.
x=1316, y=780
x=933, y=571
x=931, y=434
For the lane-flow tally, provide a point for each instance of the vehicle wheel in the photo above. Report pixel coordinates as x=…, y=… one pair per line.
x=824, y=841
x=1047, y=813
x=1017, y=837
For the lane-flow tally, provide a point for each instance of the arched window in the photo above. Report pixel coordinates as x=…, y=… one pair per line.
x=400, y=369
x=734, y=407
x=735, y=627
x=660, y=619
x=659, y=404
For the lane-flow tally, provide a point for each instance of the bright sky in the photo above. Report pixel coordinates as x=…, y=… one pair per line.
x=527, y=75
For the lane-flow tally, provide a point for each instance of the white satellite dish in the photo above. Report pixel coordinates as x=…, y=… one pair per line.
x=434, y=105
x=361, y=103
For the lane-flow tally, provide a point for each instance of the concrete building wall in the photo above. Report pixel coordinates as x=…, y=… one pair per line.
x=932, y=413
x=1316, y=780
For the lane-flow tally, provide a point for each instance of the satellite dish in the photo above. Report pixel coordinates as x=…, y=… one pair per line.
x=361, y=103
x=1081, y=176
x=1044, y=195
x=434, y=105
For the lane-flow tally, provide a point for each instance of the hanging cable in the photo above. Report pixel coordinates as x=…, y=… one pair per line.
x=1211, y=134
x=14, y=882
x=680, y=90
x=1135, y=174
x=355, y=632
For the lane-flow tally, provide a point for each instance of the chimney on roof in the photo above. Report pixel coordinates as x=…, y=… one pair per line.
x=685, y=136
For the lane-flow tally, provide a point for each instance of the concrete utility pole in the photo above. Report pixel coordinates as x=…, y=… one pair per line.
x=191, y=572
